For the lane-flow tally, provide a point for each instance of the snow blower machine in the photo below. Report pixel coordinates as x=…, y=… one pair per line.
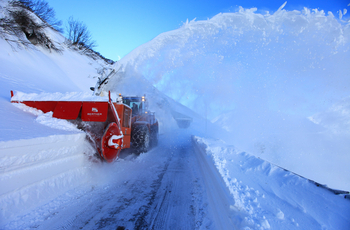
x=110, y=126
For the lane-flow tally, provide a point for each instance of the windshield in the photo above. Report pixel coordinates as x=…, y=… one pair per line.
x=134, y=103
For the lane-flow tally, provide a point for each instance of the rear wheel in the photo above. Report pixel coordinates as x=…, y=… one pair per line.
x=140, y=138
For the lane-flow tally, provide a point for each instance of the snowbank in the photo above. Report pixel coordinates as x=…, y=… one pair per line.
x=34, y=171
x=265, y=196
x=40, y=157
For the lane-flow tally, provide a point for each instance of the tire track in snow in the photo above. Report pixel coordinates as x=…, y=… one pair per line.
x=118, y=211
x=177, y=202
x=177, y=197
x=143, y=212
x=174, y=200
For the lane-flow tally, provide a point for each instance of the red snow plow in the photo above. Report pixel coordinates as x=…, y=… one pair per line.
x=110, y=126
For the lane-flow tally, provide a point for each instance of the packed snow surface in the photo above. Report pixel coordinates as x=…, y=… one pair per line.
x=274, y=85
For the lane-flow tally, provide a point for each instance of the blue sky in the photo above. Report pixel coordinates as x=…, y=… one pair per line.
x=118, y=27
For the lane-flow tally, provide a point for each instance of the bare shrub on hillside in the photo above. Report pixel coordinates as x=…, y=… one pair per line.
x=79, y=35
x=21, y=27
x=46, y=13
x=9, y=29
x=80, y=39
x=32, y=29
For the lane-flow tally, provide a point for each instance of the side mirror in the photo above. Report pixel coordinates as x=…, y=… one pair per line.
x=92, y=88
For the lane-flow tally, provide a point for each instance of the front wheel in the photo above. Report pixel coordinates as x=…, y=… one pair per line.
x=140, y=138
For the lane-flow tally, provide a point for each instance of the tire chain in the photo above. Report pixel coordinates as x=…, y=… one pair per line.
x=138, y=138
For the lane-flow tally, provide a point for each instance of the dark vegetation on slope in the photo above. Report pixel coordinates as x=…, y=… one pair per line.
x=26, y=21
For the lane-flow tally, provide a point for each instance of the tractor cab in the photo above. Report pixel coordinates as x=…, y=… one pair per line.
x=137, y=104
x=144, y=124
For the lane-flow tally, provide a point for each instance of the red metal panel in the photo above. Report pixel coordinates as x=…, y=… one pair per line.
x=45, y=106
x=126, y=138
x=94, y=111
x=125, y=122
x=67, y=110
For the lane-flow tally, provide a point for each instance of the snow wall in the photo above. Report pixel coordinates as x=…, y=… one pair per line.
x=40, y=169
x=278, y=82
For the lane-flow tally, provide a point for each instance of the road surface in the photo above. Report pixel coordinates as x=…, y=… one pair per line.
x=161, y=189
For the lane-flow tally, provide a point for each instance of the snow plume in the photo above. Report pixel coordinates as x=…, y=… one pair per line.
x=336, y=118
x=290, y=62
x=261, y=76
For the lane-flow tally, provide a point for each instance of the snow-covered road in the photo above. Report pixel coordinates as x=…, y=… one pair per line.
x=161, y=189
x=187, y=182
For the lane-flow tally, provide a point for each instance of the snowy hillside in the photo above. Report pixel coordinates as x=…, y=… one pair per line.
x=35, y=69
x=208, y=176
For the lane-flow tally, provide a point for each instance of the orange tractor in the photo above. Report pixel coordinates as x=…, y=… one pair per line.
x=110, y=126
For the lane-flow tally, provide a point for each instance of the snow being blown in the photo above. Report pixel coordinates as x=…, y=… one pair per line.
x=285, y=61
x=272, y=80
